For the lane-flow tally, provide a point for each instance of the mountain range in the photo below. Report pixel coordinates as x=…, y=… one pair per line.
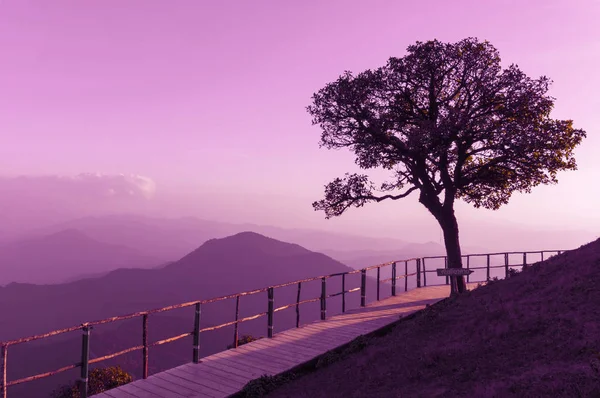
x=242, y=262
x=171, y=238
x=92, y=246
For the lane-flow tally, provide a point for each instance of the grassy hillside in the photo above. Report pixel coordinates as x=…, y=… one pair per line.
x=536, y=334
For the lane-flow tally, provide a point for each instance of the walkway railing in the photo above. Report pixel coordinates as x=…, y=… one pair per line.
x=420, y=273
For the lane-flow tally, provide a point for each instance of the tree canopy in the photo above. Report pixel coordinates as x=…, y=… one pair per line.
x=444, y=118
x=446, y=121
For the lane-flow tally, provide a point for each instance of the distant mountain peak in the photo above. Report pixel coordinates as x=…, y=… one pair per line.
x=247, y=244
x=249, y=240
x=249, y=235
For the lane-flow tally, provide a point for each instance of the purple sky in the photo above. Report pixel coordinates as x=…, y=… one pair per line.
x=208, y=99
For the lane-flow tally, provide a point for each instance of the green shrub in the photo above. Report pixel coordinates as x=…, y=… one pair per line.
x=99, y=380
x=244, y=340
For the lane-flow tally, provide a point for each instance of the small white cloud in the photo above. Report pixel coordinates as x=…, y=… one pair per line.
x=31, y=201
x=84, y=185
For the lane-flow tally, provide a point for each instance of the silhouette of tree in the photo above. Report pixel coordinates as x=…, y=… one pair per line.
x=99, y=380
x=447, y=122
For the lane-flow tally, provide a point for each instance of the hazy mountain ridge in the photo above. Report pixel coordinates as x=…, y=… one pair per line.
x=64, y=255
x=166, y=240
x=169, y=239
x=131, y=241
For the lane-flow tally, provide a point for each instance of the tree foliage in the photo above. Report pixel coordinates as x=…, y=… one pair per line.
x=99, y=380
x=444, y=119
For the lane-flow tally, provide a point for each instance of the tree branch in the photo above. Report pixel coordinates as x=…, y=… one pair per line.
x=353, y=190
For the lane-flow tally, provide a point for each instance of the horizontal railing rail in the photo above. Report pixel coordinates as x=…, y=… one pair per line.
x=420, y=272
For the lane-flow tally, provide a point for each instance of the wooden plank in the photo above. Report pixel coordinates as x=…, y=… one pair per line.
x=373, y=316
x=339, y=327
x=324, y=333
x=204, y=379
x=115, y=393
x=326, y=336
x=158, y=390
x=202, y=373
x=201, y=391
x=356, y=327
x=329, y=337
x=230, y=370
x=315, y=340
x=169, y=385
x=270, y=355
x=312, y=342
x=240, y=362
x=138, y=392
x=237, y=366
x=352, y=329
x=290, y=350
x=249, y=360
x=257, y=361
x=303, y=345
x=208, y=368
x=307, y=342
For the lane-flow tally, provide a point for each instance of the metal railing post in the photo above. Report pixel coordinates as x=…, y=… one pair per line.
x=3, y=363
x=298, y=305
x=343, y=292
x=542, y=253
x=418, y=272
x=505, y=265
x=323, y=298
x=85, y=362
x=145, y=344
x=524, y=260
x=406, y=275
x=424, y=272
x=363, y=287
x=196, y=356
x=270, y=312
x=488, y=268
x=378, y=281
x=393, y=279
x=446, y=267
x=236, y=325
x=468, y=267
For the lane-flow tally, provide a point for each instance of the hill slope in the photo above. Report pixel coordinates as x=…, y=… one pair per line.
x=536, y=334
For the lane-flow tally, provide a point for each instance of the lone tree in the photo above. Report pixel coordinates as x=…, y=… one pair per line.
x=447, y=122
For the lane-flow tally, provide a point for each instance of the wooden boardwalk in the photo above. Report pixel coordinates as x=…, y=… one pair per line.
x=226, y=373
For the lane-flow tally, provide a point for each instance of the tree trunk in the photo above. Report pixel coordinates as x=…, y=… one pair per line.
x=450, y=228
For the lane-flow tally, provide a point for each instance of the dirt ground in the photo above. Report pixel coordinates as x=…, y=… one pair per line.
x=536, y=334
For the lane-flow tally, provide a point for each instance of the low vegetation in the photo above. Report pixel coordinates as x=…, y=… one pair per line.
x=535, y=334
x=244, y=340
x=100, y=380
